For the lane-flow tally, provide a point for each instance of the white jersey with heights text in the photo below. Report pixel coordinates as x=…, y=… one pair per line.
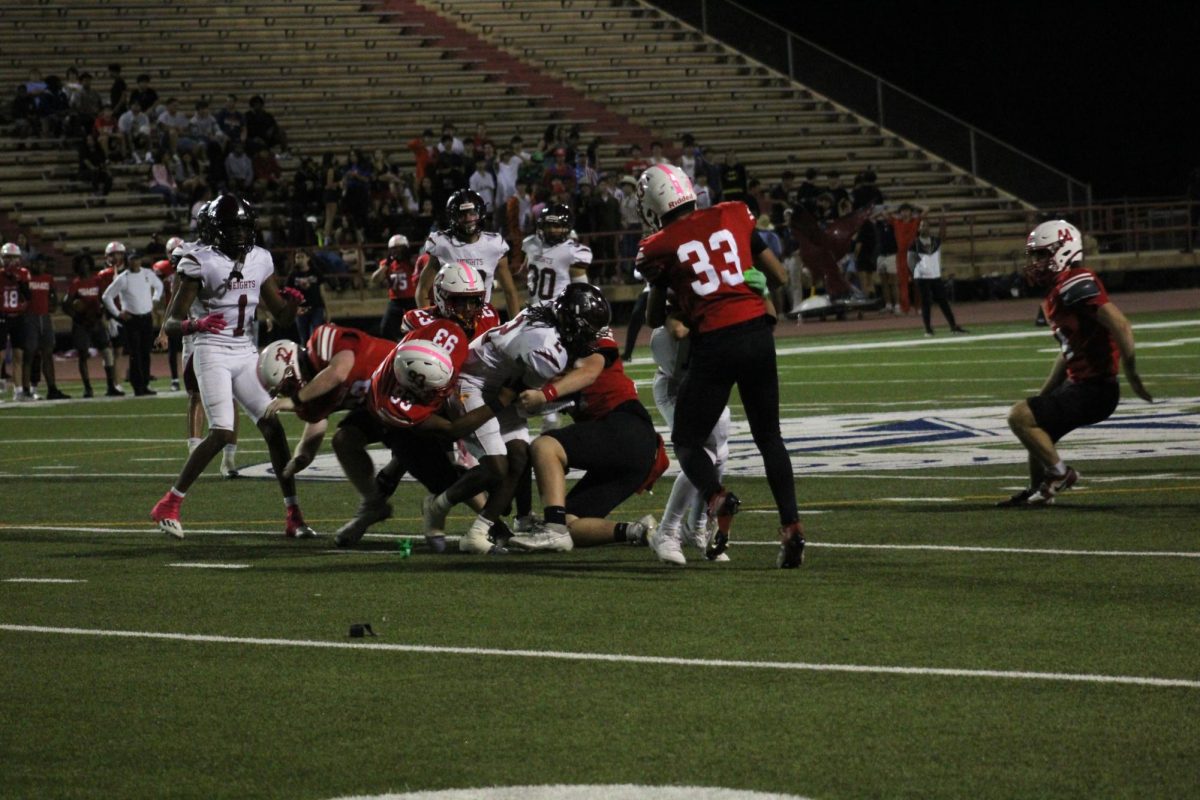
x=522, y=351
x=236, y=300
x=549, y=266
x=483, y=254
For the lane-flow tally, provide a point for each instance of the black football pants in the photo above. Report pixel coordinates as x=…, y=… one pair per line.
x=744, y=355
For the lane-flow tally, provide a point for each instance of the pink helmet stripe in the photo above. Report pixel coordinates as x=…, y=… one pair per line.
x=674, y=180
x=467, y=268
x=432, y=351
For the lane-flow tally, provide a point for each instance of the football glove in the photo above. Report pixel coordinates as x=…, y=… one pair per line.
x=293, y=296
x=757, y=281
x=213, y=323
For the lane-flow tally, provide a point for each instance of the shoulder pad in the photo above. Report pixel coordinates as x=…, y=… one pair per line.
x=1079, y=290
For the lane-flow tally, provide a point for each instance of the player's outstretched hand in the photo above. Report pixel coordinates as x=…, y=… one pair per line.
x=277, y=405
x=531, y=401
x=1135, y=383
x=212, y=323
x=292, y=295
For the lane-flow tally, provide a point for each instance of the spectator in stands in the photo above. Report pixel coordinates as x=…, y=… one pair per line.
x=203, y=128
x=53, y=107
x=636, y=164
x=733, y=177
x=162, y=181
x=518, y=216
x=202, y=196
x=261, y=128
x=585, y=173
x=155, y=249
x=925, y=255
x=656, y=154
x=508, y=171
x=144, y=95
x=231, y=121
x=307, y=276
x=756, y=197
x=331, y=193
x=23, y=111
x=35, y=85
x=704, y=196
x=190, y=173
x=267, y=174
x=72, y=85
x=85, y=105
x=449, y=173
x=134, y=126
x=239, y=169
x=172, y=126
x=866, y=191
x=454, y=144
x=424, y=150
x=356, y=192
x=631, y=223
x=93, y=166
x=606, y=211
x=766, y=232
x=483, y=182
x=118, y=92
x=838, y=191
x=560, y=171
x=105, y=129
x=783, y=195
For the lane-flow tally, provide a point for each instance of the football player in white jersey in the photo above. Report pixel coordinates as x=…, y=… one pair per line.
x=685, y=514
x=554, y=259
x=227, y=275
x=464, y=240
x=531, y=351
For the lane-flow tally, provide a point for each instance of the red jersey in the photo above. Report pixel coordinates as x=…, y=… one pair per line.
x=420, y=317
x=1071, y=306
x=702, y=258
x=88, y=290
x=40, y=289
x=393, y=405
x=610, y=389
x=14, y=291
x=165, y=273
x=106, y=276
x=402, y=278
x=327, y=341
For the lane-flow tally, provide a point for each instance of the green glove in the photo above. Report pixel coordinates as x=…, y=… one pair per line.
x=756, y=280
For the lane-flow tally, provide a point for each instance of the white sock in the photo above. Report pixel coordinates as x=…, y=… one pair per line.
x=1059, y=469
x=193, y=442
x=441, y=504
x=482, y=524
x=290, y=501
x=230, y=453
x=178, y=493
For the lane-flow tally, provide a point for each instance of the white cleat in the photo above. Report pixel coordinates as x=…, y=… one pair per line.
x=476, y=542
x=698, y=537
x=171, y=527
x=667, y=546
x=638, y=534
x=549, y=537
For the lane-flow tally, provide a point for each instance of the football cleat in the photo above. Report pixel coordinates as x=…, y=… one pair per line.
x=433, y=522
x=166, y=514
x=369, y=512
x=721, y=508
x=791, y=546
x=1053, y=485
x=113, y=391
x=547, y=536
x=436, y=542
x=526, y=523
x=638, y=533
x=56, y=394
x=174, y=386
x=297, y=528
x=668, y=546
x=476, y=542
x=1018, y=500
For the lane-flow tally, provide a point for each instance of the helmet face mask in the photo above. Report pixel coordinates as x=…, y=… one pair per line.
x=1052, y=248
x=279, y=368
x=228, y=225
x=554, y=224
x=464, y=212
x=458, y=293
x=582, y=316
x=10, y=256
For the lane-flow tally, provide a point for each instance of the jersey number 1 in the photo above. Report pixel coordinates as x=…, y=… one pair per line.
x=241, y=326
x=700, y=259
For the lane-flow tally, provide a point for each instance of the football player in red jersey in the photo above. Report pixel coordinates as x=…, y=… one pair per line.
x=39, y=330
x=165, y=270
x=404, y=410
x=82, y=304
x=1096, y=339
x=14, y=301
x=331, y=373
x=457, y=296
x=613, y=441
x=400, y=274
x=703, y=256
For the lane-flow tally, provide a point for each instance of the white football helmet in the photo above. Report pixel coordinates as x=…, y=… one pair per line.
x=279, y=368
x=661, y=189
x=458, y=293
x=10, y=254
x=1054, y=246
x=174, y=242
x=111, y=251
x=423, y=368
x=397, y=241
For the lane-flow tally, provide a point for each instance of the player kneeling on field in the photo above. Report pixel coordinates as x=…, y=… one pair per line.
x=403, y=409
x=613, y=441
x=1082, y=387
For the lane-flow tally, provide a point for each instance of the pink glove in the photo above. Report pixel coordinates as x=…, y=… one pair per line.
x=293, y=296
x=213, y=323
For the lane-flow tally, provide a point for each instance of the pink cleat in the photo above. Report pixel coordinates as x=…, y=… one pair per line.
x=166, y=514
x=297, y=528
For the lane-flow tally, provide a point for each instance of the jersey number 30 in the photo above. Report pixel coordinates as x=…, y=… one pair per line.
x=700, y=259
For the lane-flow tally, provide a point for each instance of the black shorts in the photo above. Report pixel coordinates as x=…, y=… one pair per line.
x=94, y=334
x=420, y=454
x=616, y=452
x=190, y=384
x=1073, y=405
x=12, y=329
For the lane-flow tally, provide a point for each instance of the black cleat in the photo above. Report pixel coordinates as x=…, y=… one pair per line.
x=1018, y=500
x=791, y=546
x=721, y=508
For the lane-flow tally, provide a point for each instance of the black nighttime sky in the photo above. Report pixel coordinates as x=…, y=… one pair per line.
x=1099, y=91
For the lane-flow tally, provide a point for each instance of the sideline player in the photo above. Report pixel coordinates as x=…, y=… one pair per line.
x=83, y=305
x=613, y=440
x=702, y=254
x=165, y=270
x=1082, y=388
x=401, y=274
x=229, y=276
x=14, y=302
x=333, y=372
x=464, y=240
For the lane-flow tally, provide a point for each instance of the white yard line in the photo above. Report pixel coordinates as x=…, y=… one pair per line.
x=43, y=580
x=207, y=565
x=620, y=658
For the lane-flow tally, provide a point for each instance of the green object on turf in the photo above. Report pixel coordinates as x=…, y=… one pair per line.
x=405, y=546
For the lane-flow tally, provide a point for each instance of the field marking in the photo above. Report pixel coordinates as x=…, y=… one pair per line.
x=92, y=417
x=207, y=565
x=620, y=658
x=43, y=580
x=452, y=538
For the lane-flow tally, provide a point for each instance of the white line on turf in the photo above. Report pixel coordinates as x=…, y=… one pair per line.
x=207, y=565
x=844, y=545
x=43, y=580
x=620, y=658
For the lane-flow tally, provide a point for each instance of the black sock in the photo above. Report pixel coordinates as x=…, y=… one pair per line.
x=110, y=376
x=620, y=531
x=556, y=515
